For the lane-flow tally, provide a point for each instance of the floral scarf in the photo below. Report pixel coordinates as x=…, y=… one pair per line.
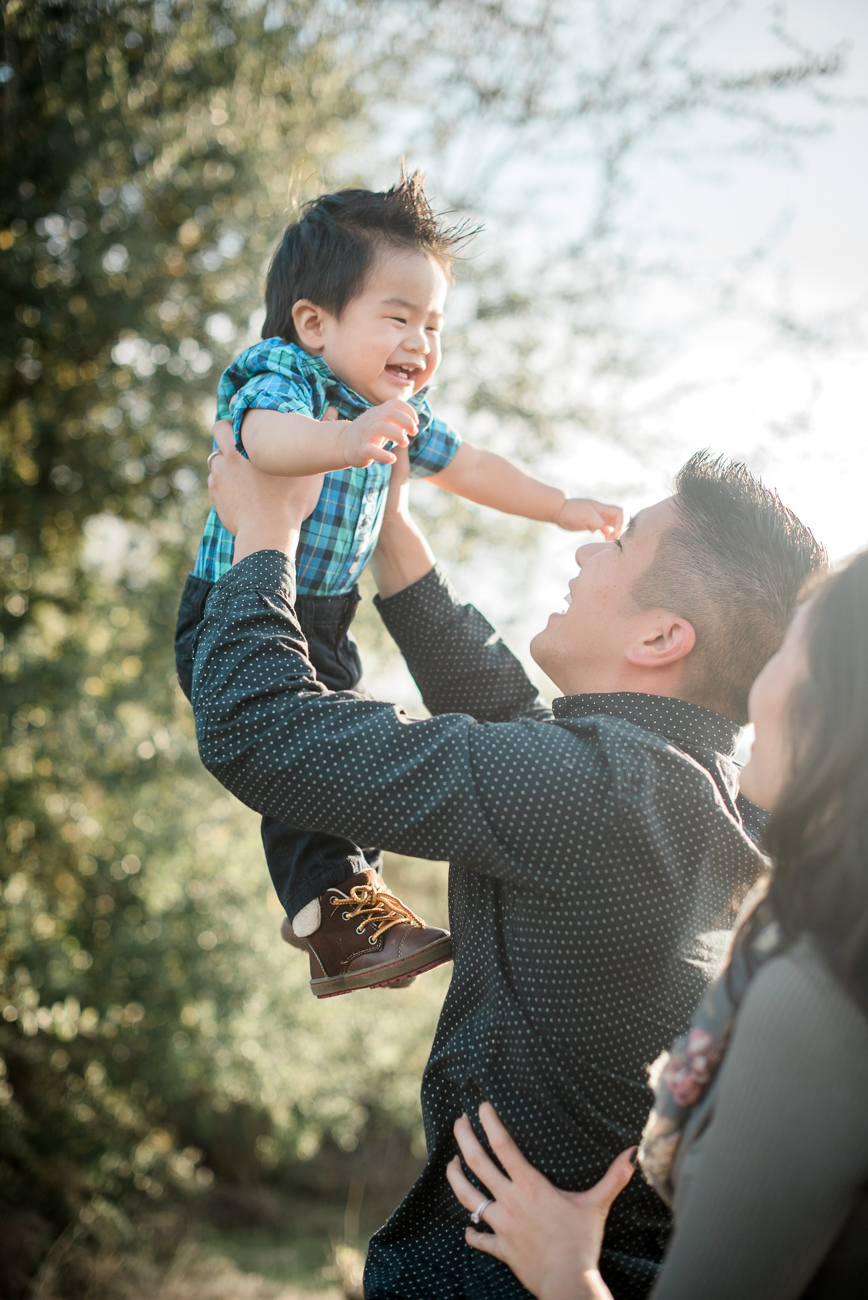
x=682, y=1076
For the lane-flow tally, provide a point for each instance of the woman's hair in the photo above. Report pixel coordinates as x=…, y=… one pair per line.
x=817, y=836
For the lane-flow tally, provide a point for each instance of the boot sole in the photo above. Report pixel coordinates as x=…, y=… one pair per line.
x=289, y=936
x=396, y=973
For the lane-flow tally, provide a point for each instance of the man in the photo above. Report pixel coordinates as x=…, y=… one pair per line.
x=596, y=858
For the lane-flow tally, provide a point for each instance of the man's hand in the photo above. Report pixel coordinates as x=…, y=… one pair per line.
x=550, y=1239
x=363, y=440
x=580, y=514
x=397, y=511
x=263, y=512
x=403, y=556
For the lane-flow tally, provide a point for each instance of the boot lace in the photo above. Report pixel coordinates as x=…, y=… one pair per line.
x=377, y=907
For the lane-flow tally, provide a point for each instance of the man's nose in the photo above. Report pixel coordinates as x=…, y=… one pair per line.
x=584, y=553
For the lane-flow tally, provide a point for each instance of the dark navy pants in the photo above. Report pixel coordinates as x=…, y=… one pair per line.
x=303, y=864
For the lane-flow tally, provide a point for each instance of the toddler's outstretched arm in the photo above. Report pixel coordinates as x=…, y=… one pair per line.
x=298, y=445
x=490, y=480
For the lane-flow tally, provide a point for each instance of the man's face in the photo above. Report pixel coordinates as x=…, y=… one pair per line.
x=583, y=648
x=386, y=343
x=770, y=708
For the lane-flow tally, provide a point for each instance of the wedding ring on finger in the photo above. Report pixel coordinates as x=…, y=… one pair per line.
x=216, y=452
x=476, y=1216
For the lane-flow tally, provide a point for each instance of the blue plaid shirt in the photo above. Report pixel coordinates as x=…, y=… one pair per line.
x=339, y=537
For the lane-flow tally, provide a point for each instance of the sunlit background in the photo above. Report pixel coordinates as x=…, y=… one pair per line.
x=673, y=200
x=743, y=317
x=714, y=290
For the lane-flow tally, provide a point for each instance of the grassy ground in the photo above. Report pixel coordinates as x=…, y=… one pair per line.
x=306, y=1245
x=301, y=1256
x=308, y=1259
x=194, y=1273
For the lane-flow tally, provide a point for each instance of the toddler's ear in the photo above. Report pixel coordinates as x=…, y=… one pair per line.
x=309, y=321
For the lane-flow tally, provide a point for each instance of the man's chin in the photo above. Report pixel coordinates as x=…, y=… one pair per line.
x=538, y=650
x=548, y=655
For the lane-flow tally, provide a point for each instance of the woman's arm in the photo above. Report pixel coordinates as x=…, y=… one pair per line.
x=549, y=1238
x=772, y=1181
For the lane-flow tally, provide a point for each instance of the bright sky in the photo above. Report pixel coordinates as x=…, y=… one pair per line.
x=796, y=415
x=755, y=404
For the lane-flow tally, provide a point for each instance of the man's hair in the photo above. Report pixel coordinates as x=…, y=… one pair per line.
x=326, y=255
x=733, y=564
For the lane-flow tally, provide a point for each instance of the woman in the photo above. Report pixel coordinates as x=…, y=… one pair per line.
x=759, y=1135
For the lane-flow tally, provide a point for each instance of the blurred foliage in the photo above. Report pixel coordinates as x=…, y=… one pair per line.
x=153, y=1029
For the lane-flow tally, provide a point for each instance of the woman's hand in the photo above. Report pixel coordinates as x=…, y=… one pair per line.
x=403, y=556
x=550, y=1239
x=263, y=512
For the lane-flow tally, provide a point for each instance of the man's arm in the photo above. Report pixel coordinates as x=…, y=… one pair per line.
x=436, y=788
x=456, y=658
x=459, y=663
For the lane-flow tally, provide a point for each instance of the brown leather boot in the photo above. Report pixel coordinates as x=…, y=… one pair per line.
x=368, y=938
x=289, y=936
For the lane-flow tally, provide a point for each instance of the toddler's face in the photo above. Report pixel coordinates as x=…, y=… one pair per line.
x=387, y=341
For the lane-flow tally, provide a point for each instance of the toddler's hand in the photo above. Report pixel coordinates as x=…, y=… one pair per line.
x=580, y=514
x=363, y=439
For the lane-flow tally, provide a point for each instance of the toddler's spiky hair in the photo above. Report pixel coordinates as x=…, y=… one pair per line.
x=325, y=256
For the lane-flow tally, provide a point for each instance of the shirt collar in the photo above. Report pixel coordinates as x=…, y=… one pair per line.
x=690, y=724
x=337, y=388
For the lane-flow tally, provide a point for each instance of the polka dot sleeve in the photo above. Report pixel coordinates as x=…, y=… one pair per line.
x=459, y=662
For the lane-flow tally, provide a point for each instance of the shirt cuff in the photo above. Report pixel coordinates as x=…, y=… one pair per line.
x=271, y=573
x=428, y=461
x=262, y=402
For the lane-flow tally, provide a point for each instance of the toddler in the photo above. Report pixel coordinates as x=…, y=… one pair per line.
x=354, y=309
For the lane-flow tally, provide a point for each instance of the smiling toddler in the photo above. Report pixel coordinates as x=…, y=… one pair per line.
x=354, y=310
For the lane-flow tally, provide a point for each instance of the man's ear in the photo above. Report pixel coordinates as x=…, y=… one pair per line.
x=309, y=321
x=662, y=639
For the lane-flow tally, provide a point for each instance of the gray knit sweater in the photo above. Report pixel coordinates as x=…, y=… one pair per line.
x=774, y=1165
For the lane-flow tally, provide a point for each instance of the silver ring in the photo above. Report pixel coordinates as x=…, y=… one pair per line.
x=476, y=1216
x=217, y=452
